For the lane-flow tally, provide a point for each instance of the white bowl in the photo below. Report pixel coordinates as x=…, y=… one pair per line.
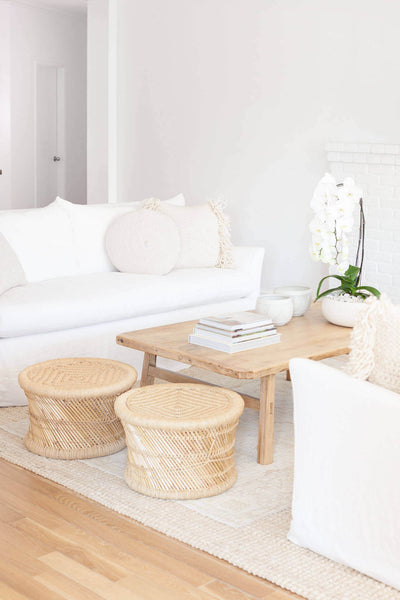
x=300, y=295
x=275, y=306
x=341, y=313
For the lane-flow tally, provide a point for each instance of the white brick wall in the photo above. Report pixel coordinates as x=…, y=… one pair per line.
x=376, y=169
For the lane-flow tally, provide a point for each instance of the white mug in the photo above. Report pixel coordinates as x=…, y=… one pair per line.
x=275, y=306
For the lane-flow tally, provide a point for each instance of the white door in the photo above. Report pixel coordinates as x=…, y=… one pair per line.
x=49, y=155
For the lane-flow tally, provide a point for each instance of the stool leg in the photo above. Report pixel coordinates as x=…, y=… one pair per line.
x=288, y=378
x=149, y=360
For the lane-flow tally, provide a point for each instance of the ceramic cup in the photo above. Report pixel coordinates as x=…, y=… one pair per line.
x=300, y=295
x=275, y=306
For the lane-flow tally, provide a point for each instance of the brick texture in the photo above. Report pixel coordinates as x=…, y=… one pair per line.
x=376, y=169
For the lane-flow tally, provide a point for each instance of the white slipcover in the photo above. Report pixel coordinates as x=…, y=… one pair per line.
x=16, y=353
x=189, y=296
x=11, y=271
x=82, y=300
x=346, y=494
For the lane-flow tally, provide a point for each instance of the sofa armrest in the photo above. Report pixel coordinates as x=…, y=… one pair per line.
x=250, y=259
x=347, y=458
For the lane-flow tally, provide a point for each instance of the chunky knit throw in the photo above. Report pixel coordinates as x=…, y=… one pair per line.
x=375, y=344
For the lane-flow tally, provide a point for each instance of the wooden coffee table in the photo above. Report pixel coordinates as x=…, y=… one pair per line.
x=310, y=336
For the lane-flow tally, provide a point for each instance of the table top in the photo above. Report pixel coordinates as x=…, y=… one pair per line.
x=309, y=336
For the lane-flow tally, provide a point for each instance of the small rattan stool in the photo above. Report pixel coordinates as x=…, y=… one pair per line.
x=71, y=406
x=180, y=439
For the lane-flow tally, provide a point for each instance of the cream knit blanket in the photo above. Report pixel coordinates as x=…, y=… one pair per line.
x=375, y=344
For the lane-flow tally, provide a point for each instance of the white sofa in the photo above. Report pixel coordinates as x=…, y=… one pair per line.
x=75, y=303
x=346, y=493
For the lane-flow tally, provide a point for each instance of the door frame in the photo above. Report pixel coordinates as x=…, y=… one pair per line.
x=61, y=124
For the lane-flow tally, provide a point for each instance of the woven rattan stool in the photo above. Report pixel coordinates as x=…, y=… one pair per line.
x=71, y=406
x=180, y=439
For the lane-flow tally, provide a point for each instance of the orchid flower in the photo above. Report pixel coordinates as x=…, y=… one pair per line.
x=333, y=207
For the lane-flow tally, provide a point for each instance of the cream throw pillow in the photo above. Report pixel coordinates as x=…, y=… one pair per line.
x=143, y=242
x=375, y=345
x=89, y=224
x=204, y=233
x=43, y=240
x=11, y=271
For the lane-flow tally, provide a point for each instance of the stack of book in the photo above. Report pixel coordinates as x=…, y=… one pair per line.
x=234, y=333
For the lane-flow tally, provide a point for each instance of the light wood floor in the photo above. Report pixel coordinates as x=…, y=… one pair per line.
x=55, y=544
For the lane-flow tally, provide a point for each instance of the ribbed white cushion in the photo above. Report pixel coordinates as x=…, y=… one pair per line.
x=89, y=299
x=42, y=239
x=11, y=272
x=143, y=242
x=90, y=223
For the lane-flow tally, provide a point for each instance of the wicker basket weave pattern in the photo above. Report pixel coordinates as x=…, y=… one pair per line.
x=71, y=406
x=180, y=439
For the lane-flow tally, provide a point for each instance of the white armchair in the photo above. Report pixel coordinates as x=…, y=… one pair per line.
x=346, y=499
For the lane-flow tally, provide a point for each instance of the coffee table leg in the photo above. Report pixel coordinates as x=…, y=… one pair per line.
x=266, y=420
x=149, y=360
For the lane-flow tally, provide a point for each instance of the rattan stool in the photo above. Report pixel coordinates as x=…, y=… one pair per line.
x=71, y=406
x=180, y=439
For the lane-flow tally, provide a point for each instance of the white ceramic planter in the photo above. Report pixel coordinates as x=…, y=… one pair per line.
x=300, y=295
x=278, y=308
x=340, y=312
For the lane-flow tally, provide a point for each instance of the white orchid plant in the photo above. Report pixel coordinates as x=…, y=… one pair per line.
x=333, y=205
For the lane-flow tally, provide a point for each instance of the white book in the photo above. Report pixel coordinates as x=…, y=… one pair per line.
x=227, y=338
x=235, y=334
x=232, y=348
x=237, y=321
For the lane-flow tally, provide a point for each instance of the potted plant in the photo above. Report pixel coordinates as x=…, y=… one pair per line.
x=333, y=205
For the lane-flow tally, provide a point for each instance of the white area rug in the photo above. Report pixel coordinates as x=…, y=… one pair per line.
x=246, y=525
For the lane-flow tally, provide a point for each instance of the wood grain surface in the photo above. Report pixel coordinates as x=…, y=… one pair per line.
x=57, y=545
x=310, y=336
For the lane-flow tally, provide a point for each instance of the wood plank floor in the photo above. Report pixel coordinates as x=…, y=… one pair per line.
x=55, y=544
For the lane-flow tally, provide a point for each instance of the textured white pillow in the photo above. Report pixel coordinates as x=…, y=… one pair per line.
x=90, y=223
x=143, y=242
x=204, y=232
x=11, y=272
x=42, y=239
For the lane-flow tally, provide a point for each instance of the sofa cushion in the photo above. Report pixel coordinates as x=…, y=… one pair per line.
x=11, y=272
x=204, y=231
x=42, y=239
x=143, y=242
x=90, y=223
x=69, y=302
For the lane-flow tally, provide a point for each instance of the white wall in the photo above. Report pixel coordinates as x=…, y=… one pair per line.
x=5, y=126
x=56, y=38
x=97, y=100
x=239, y=98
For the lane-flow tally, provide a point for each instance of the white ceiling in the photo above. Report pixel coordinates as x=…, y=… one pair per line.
x=64, y=5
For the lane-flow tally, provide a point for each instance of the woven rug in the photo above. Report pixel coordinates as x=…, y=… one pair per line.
x=246, y=525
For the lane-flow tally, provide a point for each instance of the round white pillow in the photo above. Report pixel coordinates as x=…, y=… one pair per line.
x=143, y=242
